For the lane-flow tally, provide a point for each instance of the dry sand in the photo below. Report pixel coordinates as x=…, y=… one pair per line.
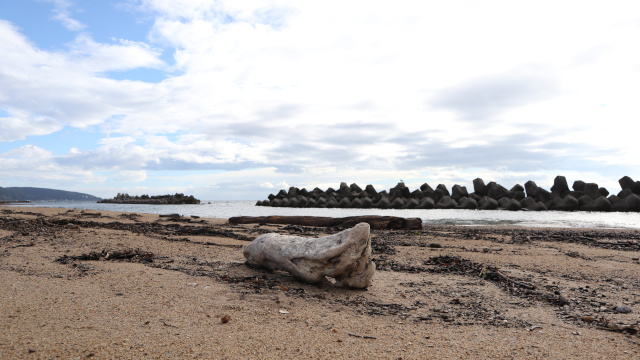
x=104, y=285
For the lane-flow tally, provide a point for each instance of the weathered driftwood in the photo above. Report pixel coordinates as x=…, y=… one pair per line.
x=344, y=256
x=375, y=222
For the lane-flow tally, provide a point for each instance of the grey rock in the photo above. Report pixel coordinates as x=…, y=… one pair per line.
x=622, y=309
x=468, y=203
x=578, y=185
x=591, y=190
x=625, y=182
x=497, y=191
x=479, y=187
x=568, y=203
x=598, y=204
x=512, y=205
x=530, y=187
x=344, y=203
x=446, y=203
x=540, y=194
x=426, y=203
x=444, y=189
x=384, y=203
x=560, y=185
x=457, y=192
x=426, y=187
x=411, y=204
x=487, y=203
x=628, y=204
x=398, y=203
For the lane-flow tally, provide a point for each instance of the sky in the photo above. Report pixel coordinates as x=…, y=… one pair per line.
x=234, y=100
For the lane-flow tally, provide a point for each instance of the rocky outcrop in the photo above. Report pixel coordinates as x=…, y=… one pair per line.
x=177, y=199
x=582, y=196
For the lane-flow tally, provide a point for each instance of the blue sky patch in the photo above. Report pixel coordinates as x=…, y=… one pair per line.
x=49, y=34
x=38, y=26
x=146, y=75
x=59, y=142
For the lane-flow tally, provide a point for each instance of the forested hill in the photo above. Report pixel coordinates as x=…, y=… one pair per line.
x=32, y=193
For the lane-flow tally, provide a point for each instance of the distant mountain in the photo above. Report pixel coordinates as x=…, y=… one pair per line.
x=32, y=193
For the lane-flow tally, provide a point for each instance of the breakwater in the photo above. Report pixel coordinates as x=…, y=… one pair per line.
x=581, y=196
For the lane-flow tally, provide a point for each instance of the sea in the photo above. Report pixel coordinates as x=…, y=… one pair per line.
x=227, y=209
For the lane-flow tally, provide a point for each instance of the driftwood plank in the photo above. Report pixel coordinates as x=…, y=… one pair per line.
x=376, y=222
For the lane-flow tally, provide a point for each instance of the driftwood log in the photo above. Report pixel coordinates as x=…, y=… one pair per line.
x=374, y=221
x=344, y=256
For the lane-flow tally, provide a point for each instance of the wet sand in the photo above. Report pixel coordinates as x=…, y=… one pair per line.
x=89, y=284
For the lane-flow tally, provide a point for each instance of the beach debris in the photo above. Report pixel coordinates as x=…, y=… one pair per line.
x=375, y=222
x=225, y=319
x=344, y=256
x=362, y=336
x=132, y=255
x=90, y=214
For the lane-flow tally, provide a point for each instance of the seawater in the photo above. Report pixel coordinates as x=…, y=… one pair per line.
x=227, y=209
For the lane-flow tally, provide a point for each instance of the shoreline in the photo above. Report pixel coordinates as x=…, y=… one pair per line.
x=427, y=299
x=499, y=218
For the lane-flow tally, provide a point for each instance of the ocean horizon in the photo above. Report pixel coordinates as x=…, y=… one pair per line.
x=225, y=209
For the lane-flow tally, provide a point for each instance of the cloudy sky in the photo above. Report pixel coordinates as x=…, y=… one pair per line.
x=238, y=99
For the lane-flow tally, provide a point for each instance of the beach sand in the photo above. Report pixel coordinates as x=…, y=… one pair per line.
x=105, y=285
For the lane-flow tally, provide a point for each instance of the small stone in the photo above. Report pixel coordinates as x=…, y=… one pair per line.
x=283, y=311
x=622, y=309
x=192, y=284
x=334, y=330
x=225, y=319
x=587, y=319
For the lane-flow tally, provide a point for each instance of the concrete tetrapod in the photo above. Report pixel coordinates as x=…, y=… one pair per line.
x=344, y=256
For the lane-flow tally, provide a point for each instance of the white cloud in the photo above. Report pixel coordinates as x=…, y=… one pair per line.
x=95, y=58
x=131, y=176
x=17, y=128
x=62, y=12
x=45, y=91
x=33, y=166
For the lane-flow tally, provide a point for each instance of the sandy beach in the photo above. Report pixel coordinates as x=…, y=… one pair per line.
x=105, y=285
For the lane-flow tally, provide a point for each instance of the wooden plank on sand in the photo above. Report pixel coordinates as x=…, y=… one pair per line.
x=376, y=222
